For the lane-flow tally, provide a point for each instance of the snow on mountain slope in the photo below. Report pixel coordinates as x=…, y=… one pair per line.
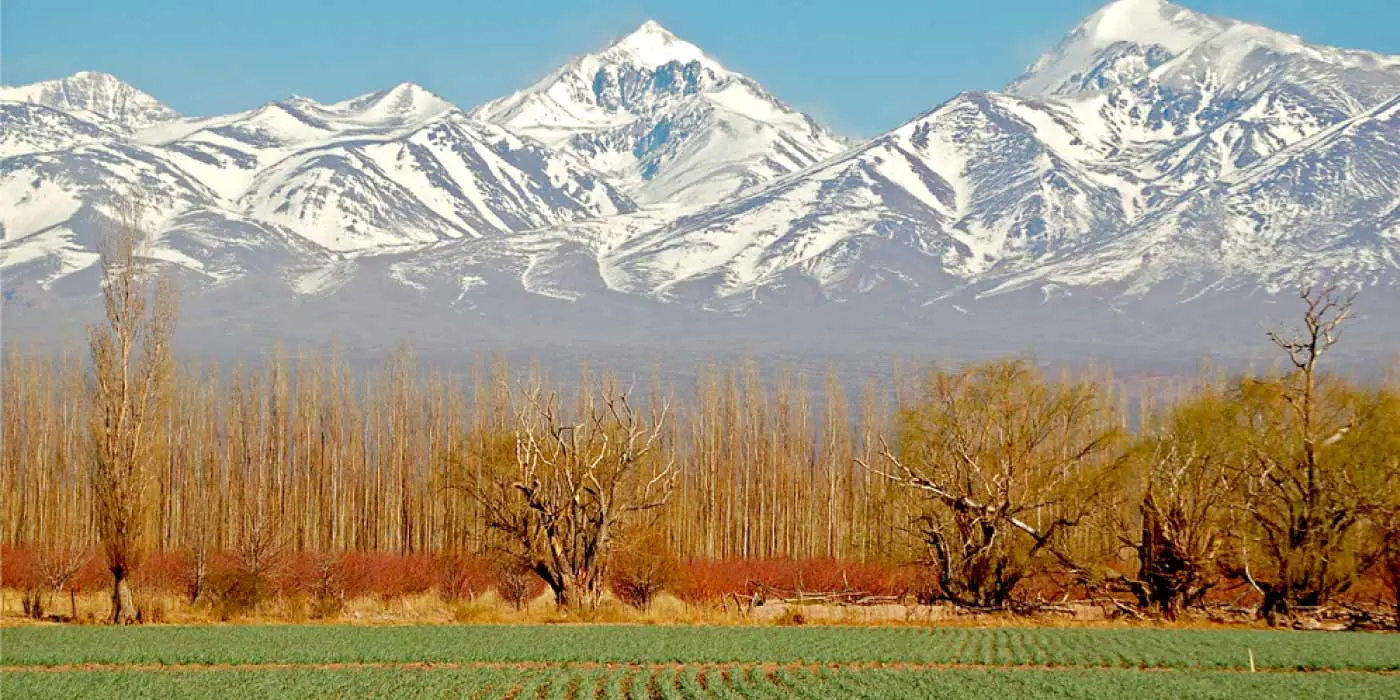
x=1326, y=206
x=997, y=187
x=978, y=180
x=398, y=167
x=452, y=177
x=99, y=94
x=1157, y=167
x=42, y=190
x=1117, y=44
x=664, y=119
x=1233, y=99
x=31, y=128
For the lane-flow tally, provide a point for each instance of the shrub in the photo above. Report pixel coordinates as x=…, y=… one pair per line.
x=463, y=577
x=166, y=572
x=386, y=575
x=517, y=584
x=643, y=570
x=238, y=591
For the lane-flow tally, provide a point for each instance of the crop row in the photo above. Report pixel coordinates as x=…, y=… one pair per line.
x=312, y=644
x=685, y=683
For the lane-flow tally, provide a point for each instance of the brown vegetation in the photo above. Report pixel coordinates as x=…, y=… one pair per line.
x=990, y=486
x=130, y=381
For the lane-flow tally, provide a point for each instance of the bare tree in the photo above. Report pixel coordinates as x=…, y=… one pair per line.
x=1387, y=523
x=1012, y=465
x=1313, y=476
x=132, y=371
x=574, y=485
x=1184, y=488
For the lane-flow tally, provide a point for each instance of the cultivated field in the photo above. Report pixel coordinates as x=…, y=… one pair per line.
x=693, y=662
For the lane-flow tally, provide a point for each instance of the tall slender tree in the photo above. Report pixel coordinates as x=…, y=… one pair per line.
x=131, y=377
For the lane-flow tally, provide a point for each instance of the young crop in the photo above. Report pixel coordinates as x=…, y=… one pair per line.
x=328, y=644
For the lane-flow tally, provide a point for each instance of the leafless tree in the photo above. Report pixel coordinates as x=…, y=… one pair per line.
x=1184, y=483
x=1387, y=523
x=1012, y=464
x=574, y=483
x=131, y=375
x=1313, y=476
x=53, y=567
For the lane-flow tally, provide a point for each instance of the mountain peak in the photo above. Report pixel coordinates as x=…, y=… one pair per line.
x=1117, y=43
x=94, y=93
x=1157, y=22
x=652, y=45
x=408, y=92
x=402, y=103
x=671, y=123
x=92, y=76
x=652, y=26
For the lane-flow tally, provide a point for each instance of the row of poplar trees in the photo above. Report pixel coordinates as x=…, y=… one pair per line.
x=991, y=475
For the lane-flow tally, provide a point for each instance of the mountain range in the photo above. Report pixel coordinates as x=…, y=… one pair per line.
x=1151, y=190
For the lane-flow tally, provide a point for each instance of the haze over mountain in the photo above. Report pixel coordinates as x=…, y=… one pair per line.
x=1151, y=189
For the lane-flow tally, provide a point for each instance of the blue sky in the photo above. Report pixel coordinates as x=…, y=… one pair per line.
x=862, y=66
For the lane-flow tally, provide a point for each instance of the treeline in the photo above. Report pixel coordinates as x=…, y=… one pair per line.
x=989, y=475
x=329, y=460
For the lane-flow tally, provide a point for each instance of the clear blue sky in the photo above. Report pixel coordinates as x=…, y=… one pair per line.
x=862, y=66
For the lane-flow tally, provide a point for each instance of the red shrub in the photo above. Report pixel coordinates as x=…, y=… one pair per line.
x=707, y=580
x=387, y=575
x=164, y=572
x=460, y=576
x=94, y=576
x=517, y=584
x=19, y=568
x=16, y=567
x=299, y=574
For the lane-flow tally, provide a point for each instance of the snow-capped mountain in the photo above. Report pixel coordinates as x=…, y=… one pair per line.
x=34, y=128
x=1217, y=156
x=944, y=198
x=1157, y=170
x=665, y=120
x=1328, y=204
x=1117, y=45
x=299, y=178
x=97, y=96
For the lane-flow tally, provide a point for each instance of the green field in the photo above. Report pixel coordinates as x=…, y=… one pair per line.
x=692, y=683
x=692, y=662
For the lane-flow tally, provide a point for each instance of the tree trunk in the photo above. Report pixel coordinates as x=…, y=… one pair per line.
x=123, y=604
x=196, y=588
x=575, y=592
x=1275, y=606
x=33, y=603
x=1167, y=575
x=1172, y=606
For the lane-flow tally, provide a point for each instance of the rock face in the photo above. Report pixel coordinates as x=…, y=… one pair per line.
x=1155, y=183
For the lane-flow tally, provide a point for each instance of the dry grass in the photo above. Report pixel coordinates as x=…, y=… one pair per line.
x=491, y=609
x=425, y=608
